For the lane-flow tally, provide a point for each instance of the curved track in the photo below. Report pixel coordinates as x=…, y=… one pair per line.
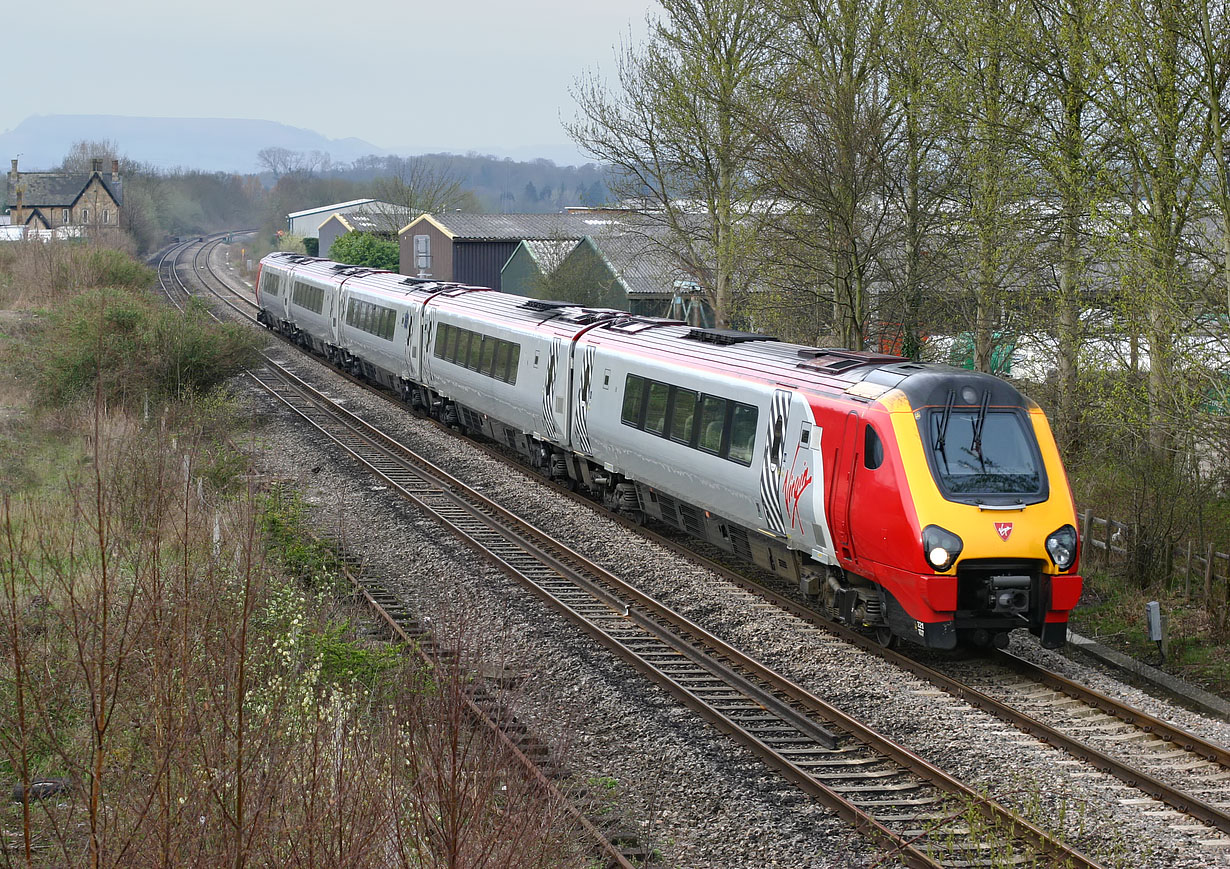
x=1182, y=770
x=484, y=707
x=920, y=814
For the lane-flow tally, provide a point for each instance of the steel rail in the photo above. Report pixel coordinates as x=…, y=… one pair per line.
x=430, y=484
x=386, y=606
x=1173, y=796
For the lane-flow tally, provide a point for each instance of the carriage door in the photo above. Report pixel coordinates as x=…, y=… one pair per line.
x=843, y=479
x=808, y=488
x=554, y=389
x=412, y=344
x=426, y=344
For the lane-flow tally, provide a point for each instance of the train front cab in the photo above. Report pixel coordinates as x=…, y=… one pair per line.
x=984, y=497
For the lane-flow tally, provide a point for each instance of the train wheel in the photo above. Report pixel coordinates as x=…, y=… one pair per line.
x=886, y=638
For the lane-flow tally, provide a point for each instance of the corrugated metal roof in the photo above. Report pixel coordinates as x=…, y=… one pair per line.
x=639, y=263
x=549, y=253
x=509, y=227
x=337, y=206
x=358, y=221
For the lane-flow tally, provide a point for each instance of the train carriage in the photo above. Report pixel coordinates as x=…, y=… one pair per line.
x=307, y=300
x=378, y=325
x=505, y=362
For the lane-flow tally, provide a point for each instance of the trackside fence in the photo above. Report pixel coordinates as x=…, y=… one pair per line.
x=1202, y=568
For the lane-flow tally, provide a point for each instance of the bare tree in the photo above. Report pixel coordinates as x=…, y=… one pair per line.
x=283, y=161
x=83, y=152
x=674, y=140
x=414, y=186
x=825, y=148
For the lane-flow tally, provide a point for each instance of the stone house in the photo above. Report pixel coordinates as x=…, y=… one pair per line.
x=92, y=201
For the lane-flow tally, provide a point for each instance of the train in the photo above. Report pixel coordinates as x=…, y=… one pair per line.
x=915, y=501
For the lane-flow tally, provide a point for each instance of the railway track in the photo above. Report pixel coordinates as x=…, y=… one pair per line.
x=621, y=852
x=914, y=810
x=1177, y=768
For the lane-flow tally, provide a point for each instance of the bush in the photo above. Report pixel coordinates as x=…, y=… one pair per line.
x=311, y=246
x=124, y=344
x=365, y=249
x=109, y=267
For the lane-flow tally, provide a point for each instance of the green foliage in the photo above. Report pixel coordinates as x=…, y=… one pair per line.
x=284, y=525
x=344, y=662
x=365, y=249
x=311, y=246
x=109, y=267
x=125, y=345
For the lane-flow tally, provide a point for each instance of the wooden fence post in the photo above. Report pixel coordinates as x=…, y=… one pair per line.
x=1110, y=528
x=1187, y=574
x=1208, y=577
x=1086, y=530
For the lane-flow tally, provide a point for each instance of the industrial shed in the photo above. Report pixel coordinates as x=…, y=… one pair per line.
x=473, y=248
x=306, y=224
x=533, y=264
x=338, y=225
x=629, y=271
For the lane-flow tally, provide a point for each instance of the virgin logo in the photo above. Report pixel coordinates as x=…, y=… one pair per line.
x=1004, y=529
x=793, y=490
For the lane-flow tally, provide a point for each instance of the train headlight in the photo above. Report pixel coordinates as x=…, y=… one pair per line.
x=1061, y=546
x=941, y=547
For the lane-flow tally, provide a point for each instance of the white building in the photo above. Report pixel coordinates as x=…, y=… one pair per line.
x=306, y=224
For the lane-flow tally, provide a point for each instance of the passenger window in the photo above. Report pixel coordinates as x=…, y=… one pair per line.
x=743, y=434
x=712, y=423
x=513, y=362
x=873, y=449
x=458, y=348
x=476, y=349
x=487, y=359
x=500, y=365
x=683, y=416
x=634, y=389
x=655, y=410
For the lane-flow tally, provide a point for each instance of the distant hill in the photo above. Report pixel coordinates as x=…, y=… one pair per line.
x=209, y=144
x=215, y=144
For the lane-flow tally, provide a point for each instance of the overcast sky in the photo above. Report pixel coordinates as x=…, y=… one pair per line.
x=402, y=74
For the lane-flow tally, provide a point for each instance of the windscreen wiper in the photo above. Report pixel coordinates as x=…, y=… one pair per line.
x=978, y=424
x=943, y=431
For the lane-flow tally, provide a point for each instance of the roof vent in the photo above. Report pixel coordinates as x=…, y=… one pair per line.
x=835, y=360
x=546, y=305
x=726, y=337
x=633, y=324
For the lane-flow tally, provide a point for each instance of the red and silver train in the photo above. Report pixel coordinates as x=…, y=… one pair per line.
x=919, y=501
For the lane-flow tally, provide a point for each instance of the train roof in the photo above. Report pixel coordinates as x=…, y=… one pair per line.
x=851, y=374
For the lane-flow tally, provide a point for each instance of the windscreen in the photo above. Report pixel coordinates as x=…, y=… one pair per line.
x=983, y=453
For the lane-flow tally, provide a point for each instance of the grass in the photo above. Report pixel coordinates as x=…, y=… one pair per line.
x=172, y=641
x=1112, y=611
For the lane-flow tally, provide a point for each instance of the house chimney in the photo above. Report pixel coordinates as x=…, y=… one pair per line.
x=97, y=164
x=13, y=171
x=115, y=171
